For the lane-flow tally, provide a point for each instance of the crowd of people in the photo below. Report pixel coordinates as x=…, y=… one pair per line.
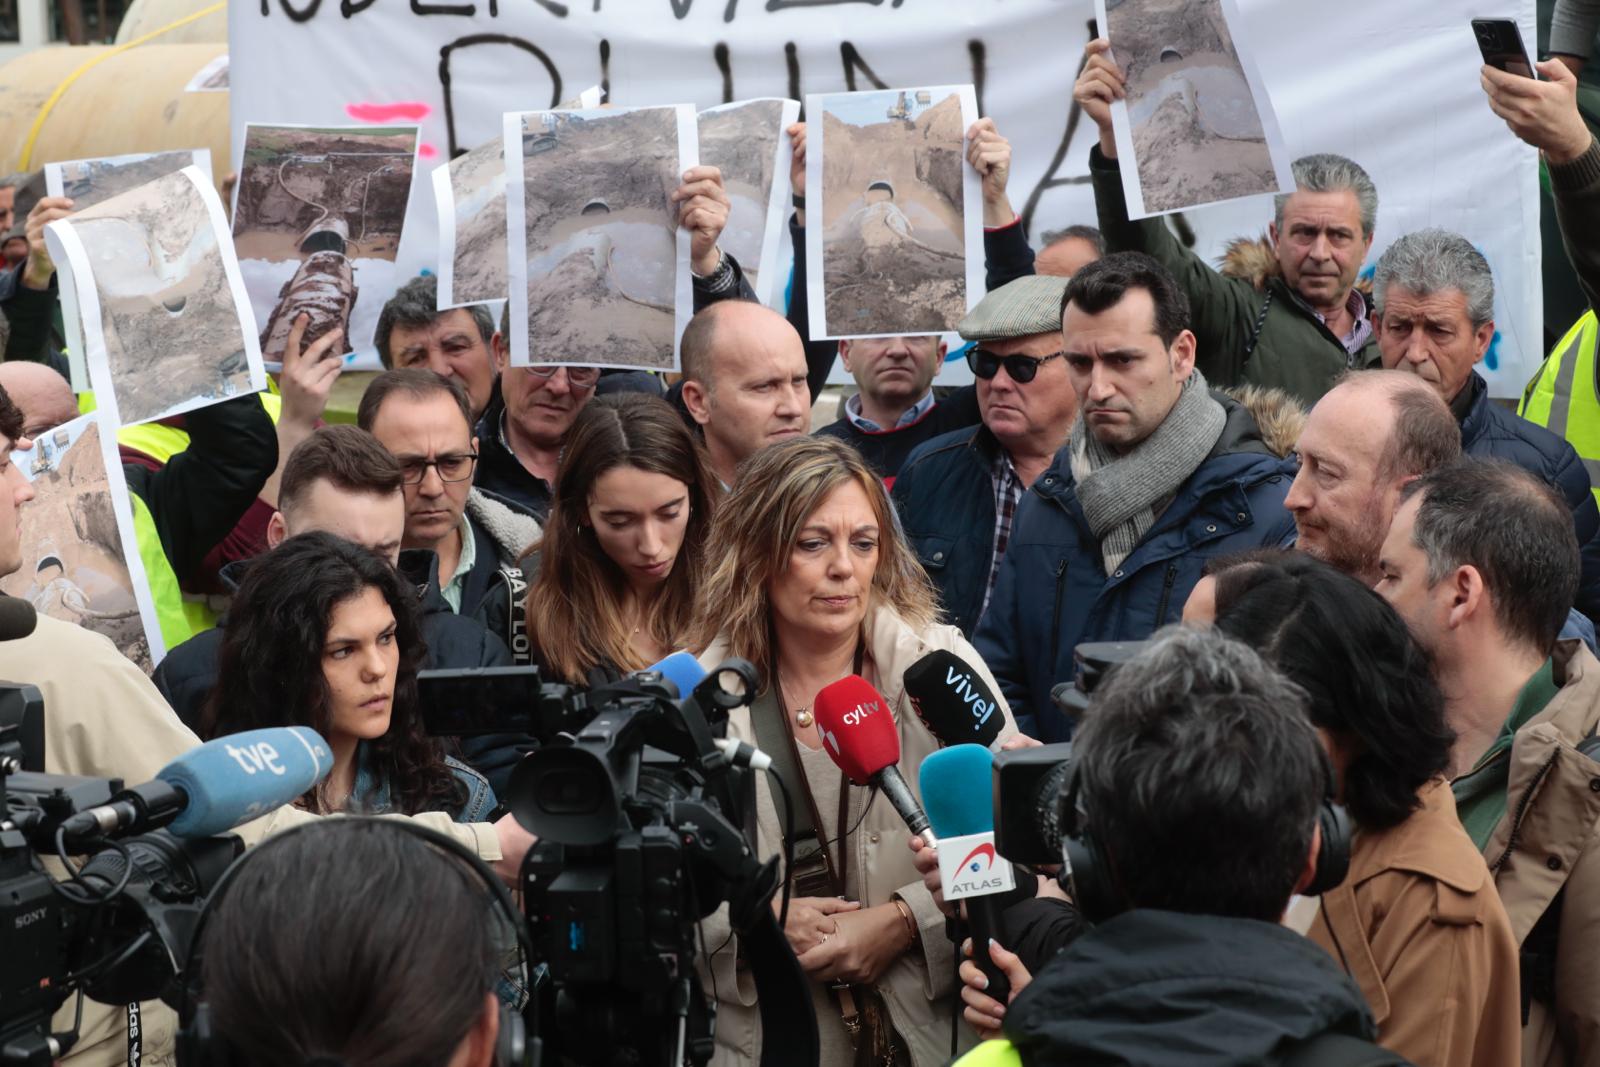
x=1338, y=810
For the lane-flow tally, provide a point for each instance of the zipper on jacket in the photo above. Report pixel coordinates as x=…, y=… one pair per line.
x=1522, y=810
x=1166, y=594
x=1055, y=614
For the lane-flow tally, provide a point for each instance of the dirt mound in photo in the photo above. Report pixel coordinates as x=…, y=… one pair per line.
x=354, y=179
x=920, y=156
x=625, y=160
x=740, y=142
x=573, y=312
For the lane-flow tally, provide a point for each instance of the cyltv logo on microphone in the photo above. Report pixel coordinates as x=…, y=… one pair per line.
x=960, y=683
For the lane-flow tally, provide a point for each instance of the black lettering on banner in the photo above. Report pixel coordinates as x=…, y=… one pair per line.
x=779, y=5
x=305, y=14
x=852, y=63
x=791, y=59
x=980, y=70
x=725, y=65
x=473, y=40
x=1049, y=180
x=419, y=8
x=347, y=8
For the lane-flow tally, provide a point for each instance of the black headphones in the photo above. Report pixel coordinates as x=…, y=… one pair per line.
x=1090, y=876
x=198, y=1045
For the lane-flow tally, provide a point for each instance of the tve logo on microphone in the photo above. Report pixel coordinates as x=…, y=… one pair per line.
x=970, y=867
x=261, y=756
x=961, y=683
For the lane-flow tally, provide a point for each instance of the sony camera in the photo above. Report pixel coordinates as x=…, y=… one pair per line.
x=639, y=811
x=113, y=930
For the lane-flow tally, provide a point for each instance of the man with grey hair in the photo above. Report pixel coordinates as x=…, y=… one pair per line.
x=1067, y=249
x=1434, y=296
x=413, y=332
x=1306, y=322
x=1481, y=563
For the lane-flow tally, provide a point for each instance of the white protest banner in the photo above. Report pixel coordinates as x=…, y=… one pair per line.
x=1394, y=86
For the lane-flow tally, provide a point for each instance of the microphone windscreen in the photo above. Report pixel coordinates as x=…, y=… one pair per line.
x=856, y=728
x=17, y=618
x=953, y=701
x=682, y=670
x=231, y=780
x=957, y=790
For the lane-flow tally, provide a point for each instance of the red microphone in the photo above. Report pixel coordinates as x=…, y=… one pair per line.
x=859, y=735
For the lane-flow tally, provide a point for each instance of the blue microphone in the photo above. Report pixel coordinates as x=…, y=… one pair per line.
x=957, y=793
x=682, y=670
x=215, y=786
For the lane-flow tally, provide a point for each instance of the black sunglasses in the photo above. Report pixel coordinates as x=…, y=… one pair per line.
x=1022, y=369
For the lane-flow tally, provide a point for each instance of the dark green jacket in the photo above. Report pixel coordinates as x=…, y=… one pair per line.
x=1293, y=350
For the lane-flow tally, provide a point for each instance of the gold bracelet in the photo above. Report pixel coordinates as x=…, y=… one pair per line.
x=910, y=920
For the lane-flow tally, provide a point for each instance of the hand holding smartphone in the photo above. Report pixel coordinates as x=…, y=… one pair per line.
x=1500, y=42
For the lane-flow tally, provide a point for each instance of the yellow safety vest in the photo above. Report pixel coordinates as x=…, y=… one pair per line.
x=996, y=1053
x=1562, y=396
x=179, y=617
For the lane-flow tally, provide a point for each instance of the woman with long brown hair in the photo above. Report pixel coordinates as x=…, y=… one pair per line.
x=814, y=582
x=613, y=583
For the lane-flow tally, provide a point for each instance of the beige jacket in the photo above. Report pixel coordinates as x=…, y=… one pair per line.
x=919, y=988
x=1549, y=843
x=104, y=718
x=1418, y=927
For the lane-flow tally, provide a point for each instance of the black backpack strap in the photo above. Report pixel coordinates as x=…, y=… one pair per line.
x=1341, y=1050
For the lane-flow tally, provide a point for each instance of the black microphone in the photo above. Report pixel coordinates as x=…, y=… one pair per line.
x=17, y=618
x=953, y=701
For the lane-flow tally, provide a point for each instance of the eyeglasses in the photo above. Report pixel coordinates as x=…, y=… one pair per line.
x=1022, y=369
x=454, y=467
x=577, y=377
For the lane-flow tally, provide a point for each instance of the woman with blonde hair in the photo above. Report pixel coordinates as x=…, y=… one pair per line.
x=815, y=582
x=613, y=583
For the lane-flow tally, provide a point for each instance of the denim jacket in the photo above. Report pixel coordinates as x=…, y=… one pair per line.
x=372, y=796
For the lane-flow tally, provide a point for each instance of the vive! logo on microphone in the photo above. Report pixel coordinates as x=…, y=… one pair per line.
x=961, y=683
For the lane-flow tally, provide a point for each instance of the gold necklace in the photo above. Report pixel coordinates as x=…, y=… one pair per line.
x=803, y=717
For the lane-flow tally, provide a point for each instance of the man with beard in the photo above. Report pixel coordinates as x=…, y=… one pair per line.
x=1370, y=435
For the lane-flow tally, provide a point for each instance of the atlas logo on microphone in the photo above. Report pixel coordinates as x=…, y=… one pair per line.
x=977, y=872
x=975, y=699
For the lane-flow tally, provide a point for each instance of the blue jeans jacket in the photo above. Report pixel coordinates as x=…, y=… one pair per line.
x=373, y=795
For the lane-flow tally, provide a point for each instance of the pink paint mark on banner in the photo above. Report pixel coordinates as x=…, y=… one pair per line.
x=400, y=111
x=427, y=151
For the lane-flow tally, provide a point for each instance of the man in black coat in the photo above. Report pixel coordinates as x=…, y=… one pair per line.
x=1434, y=296
x=1196, y=810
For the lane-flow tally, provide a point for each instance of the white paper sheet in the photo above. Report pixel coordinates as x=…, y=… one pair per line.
x=76, y=566
x=898, y=254
x=761, y=202
x=1196, y=120
x=165, y=321
x=329, y=177
x=597, y=266
x=211, y=78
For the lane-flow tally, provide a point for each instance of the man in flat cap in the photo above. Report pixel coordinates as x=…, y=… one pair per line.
x=957, y=493
x=1159, y=475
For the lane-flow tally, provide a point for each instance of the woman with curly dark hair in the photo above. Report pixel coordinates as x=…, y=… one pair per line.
x=323, y=633
x=1417, y=923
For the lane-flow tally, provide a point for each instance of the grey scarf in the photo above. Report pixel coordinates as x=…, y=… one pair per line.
x=1122, y=495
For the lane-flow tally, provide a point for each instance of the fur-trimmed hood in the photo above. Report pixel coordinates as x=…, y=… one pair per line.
x=1279, y=416
x=511, y=529
x=1253, y=260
